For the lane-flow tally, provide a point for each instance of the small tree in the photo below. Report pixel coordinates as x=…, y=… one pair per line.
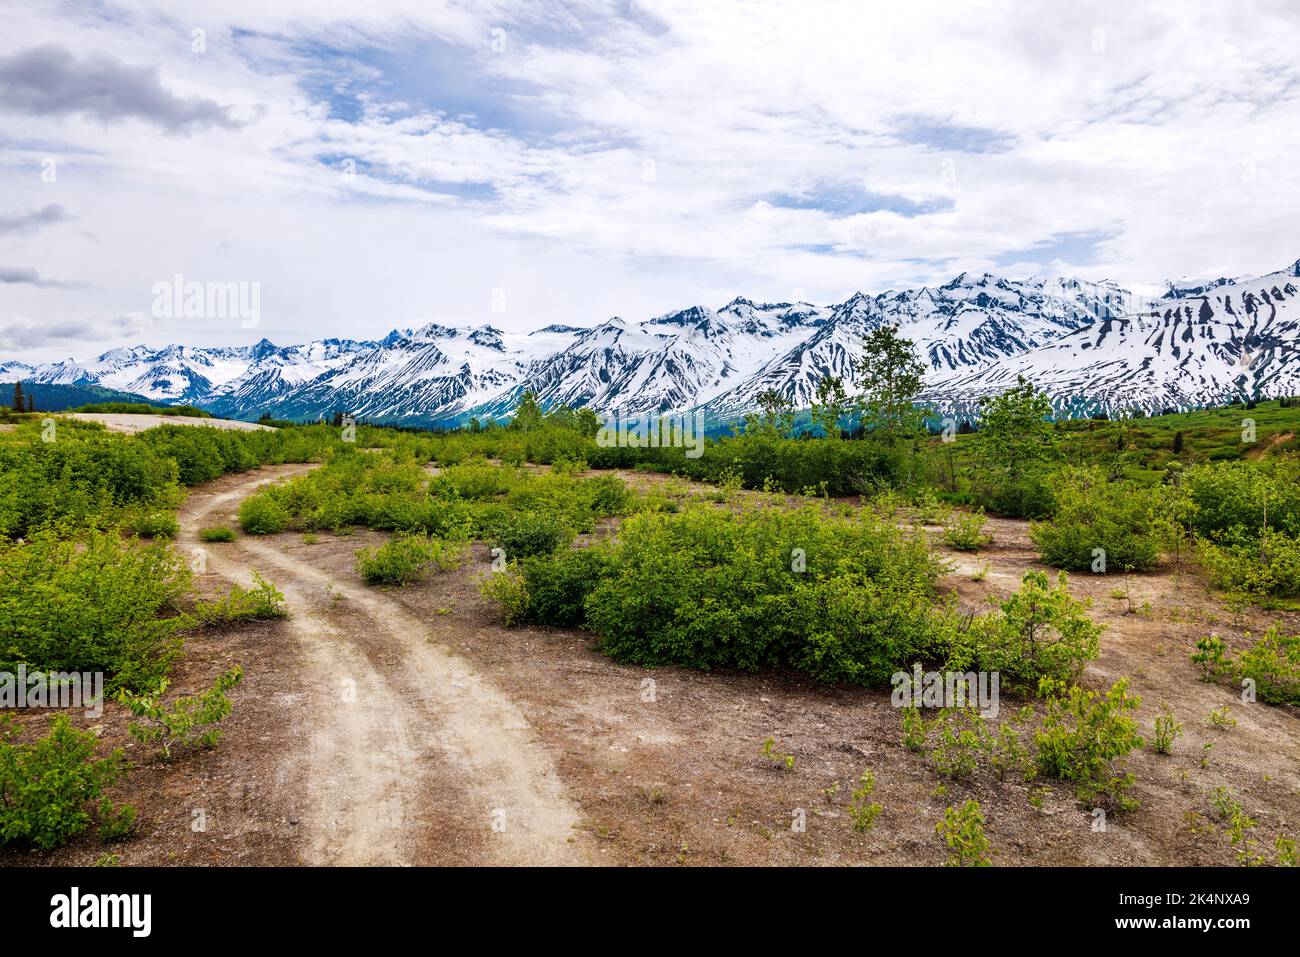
x=186, y=721
x=528, y=414
x=587, y=422
x=962, y=829
x=776, y=415
x=1015, y=429
x=891, y=377
x=830, y=406
x=20, y=401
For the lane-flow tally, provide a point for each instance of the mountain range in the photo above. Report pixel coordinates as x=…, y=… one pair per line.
x=1092, y=346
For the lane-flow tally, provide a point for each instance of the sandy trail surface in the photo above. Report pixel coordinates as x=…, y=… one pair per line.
x=409, y=755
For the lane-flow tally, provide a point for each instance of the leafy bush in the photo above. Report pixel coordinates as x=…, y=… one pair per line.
x=551, y=589
x=220, y=533
x=1093, y=513
x=965, y=531
x=843, y=600
x=1244, y=498
x=761, y=460
x=408, y=558
x=1211, y=655
x=188, y=721
x=1247, y=515
x=962, y=829
x=861, y=629
x=141, y=408
x=115, y=823
x=914, y=729
x=46, y=786
x=525, y=534
x=929, y=510
x=263, y=514
x=1030, y=496
x=862, y=810
x=1038, y=632
x=1168, y=728
x=262, y=602
x=1273, y=663
x=1268, y=566
x=1083, y=734
x=156, y=525
x=76, y=483
x=96, y=607
x=959, y=735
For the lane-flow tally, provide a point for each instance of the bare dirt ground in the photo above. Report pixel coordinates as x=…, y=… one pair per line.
x=459, y=723
x=127, y=422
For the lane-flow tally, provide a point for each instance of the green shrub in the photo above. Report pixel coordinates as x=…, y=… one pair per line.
x=507, y=589
x=115, y=823
x=1210, y=654
x=1007, y=754
x=760, y=460
x=1083, y=734
x=959, y=736
x=1241, y=499
x=259, y=603
x=929, y=510
x=219, y=533
x=1168, y=728
x=1040, y=631
x=1093, y=513
x=862, y=629
x=551, y=589
x=475, y=481
x=142, y=408
x=188, y=721
x=263, y=514
x=914, y=730
x=862, y=810
x=1273, y=663
x=843, y=600
x=79, y=482
x=962, y=829
x=408, y=558
x=965, y=531
x=46, y=786
x=1268, y=566
x=156, y=525
x=525, y=534
x=1029, y=496
x=95, y=607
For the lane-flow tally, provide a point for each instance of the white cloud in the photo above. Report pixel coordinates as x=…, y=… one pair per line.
x=604, y=158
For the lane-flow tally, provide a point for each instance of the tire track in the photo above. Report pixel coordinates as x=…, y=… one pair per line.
x=395, y=716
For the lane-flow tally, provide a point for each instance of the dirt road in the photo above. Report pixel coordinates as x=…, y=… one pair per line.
x=408, y=754
x=131, y=423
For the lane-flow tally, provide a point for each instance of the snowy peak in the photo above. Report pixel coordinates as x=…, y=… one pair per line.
x=1090, y=345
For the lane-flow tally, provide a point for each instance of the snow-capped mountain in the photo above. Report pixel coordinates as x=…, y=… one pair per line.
x=1090, y=345
x=1199, y=344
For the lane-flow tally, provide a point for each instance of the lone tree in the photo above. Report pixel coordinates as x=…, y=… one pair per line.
x=20, y=401
x=1016, y=432
x=587, y=422
x=776, y=414
x=891, y=376
x=528, y=415
x=831, y=404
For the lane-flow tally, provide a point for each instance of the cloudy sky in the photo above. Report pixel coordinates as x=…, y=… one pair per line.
x=382, y=164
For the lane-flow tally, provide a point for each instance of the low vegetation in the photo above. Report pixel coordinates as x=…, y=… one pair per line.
x=782, y=577
x=48, y=786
